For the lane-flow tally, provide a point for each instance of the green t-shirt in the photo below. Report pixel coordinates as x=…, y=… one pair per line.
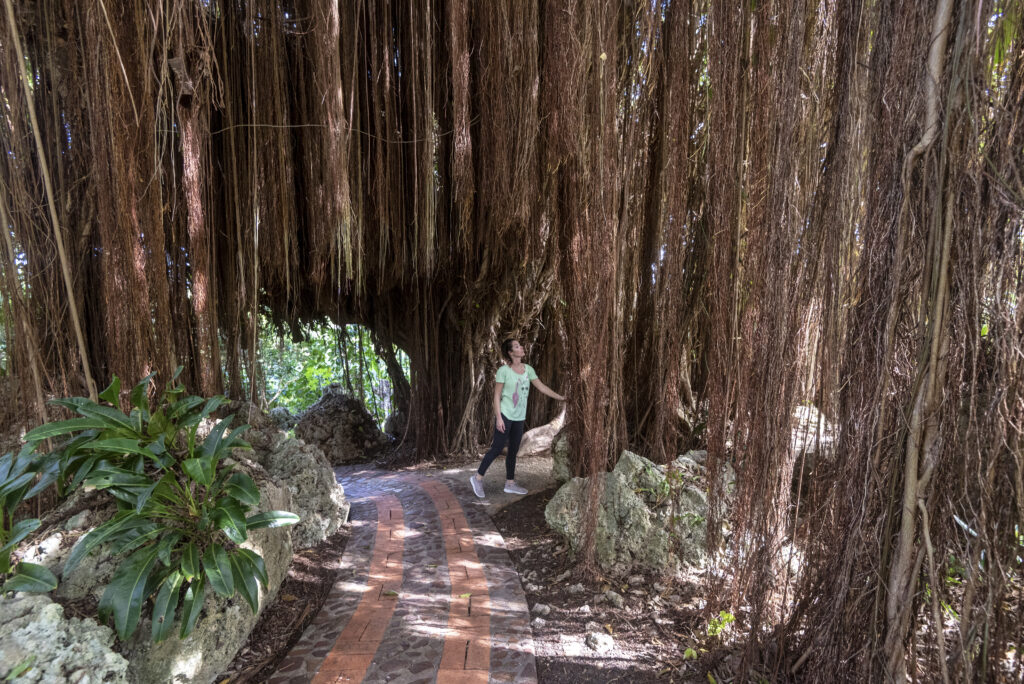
x=515, y=390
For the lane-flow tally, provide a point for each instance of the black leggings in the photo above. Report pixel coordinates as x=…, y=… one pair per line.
x=512, y=435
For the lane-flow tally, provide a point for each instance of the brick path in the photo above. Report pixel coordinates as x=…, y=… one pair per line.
x=426, y=592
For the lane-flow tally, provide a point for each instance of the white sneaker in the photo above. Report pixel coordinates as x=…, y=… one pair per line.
x=514, y=489
x=478, y=486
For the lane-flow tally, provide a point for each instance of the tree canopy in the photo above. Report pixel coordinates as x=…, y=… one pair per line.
x=698, y=214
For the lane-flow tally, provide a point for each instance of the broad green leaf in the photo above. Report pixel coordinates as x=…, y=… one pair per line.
x=136, y=418
x=157, y=423
x=120, y=445
x=138, y=397
x=190, y=561
x=199, y=469
x=114, y=418
x=166, y=547
x=217, y=568
x=138, y=538
x=49, y=473
x=21, y=529
x=72, y=446
x=106, y=532
x=245, y=581
x=6, y=463
x=63, y=427
x=271, y=519
x=211, y=445
x=181, y=407
x=165, y=605
x=192, y=606
x=255, y=561
x=234, y=440
x=19, y=484
x=191, y=417
x=126, y=592
x=143, y=496
x=70, y=403
x=124, y=484
x=84, y=469
x=230, y=518
x=112, y=394
x=157, y=446
x=218, y=484
x=212, y=404
x=32, y=578
x=241, y=488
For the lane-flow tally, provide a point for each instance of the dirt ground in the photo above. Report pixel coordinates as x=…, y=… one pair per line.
x=304, y=590
x=649, y=631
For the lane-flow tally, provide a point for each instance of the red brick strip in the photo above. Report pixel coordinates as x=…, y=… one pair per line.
x=467, y=644
x=353, y=652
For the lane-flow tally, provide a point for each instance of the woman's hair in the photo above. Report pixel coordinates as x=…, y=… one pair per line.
x=506, y=349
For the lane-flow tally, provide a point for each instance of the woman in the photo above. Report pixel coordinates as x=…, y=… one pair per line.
x=511, y=389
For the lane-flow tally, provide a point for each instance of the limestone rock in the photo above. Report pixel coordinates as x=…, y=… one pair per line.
x=560, y=458
x=284, y=418
x=317, y=497
x=33, y=630
x=600, y=642
x=340, y=425
x=638, y=527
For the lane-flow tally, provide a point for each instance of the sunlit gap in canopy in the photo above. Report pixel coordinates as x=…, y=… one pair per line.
x=299, y=363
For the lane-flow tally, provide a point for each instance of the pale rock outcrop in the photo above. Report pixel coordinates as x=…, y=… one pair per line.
x=560, y=458
x=648, y=519
x=317, y=497
x=49, y=648
x=339, y=424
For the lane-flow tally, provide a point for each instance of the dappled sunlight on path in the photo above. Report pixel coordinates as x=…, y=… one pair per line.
x=426, y=593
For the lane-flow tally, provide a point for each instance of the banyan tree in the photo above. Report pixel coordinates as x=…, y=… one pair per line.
x=700, y=214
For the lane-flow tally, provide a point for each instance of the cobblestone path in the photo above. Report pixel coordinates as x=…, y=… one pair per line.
x=426, y=592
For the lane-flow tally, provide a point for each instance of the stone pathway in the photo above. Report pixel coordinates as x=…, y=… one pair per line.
x=426, y=593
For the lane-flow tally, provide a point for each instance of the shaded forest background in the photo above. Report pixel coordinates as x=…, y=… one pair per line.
x=698, y=215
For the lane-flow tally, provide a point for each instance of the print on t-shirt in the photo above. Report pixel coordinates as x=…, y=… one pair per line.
x=521, y=384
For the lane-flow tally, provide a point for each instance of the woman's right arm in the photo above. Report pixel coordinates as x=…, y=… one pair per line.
x=498, y=422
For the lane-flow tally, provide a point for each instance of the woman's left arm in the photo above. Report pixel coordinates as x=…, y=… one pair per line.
x=544, y=389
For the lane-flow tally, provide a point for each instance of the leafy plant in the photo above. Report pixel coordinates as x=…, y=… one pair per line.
x=720, y=624
x=21, y=668
x=21, y=478
x=183, y=510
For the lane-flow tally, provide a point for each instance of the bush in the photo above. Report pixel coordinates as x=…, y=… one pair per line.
x=182, y=512
x=20, y=480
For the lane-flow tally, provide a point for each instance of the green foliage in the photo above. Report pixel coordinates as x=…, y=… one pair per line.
x=297, y=372
x=21, y=668
x=182, y=510
x=718, y=625
x=21, y=478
